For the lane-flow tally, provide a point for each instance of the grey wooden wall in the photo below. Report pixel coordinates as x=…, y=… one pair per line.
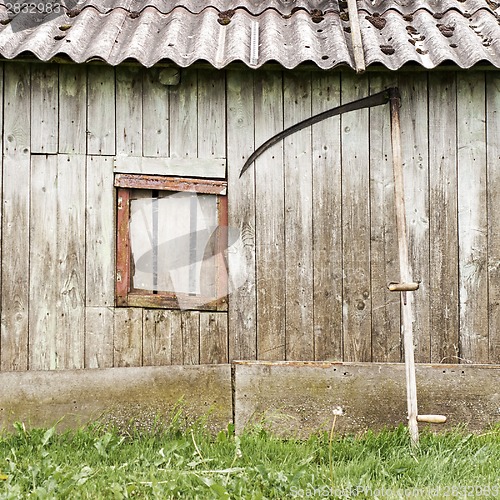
x=316, y=214
x=322, y=209
x=63, y=127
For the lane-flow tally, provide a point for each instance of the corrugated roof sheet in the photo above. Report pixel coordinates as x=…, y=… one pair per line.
x=290, y=32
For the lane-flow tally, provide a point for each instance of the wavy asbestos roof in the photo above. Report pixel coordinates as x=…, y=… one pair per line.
x=290, y=32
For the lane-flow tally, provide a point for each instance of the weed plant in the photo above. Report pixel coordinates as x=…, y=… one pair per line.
x=179, y=462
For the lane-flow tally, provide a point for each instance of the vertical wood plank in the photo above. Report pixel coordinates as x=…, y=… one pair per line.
x=175, y=320
x=57, y=259
x=127, y=337
x=443, y=270
x=269, y=214
x=184, y=116
x=99, y=326
x=2, y=88
x=211, y=114
x=15, y=218
x=190, y=326
x=356, y=324
x=415, y=155
x=157, y=350
x=472, y=221
x=129, y=110
x=100, y=232
x=185, y=335
x=155, y=118
x=70, y=305
x=241, y=206
x=72, y=109
x=213, y=338
x=43, y=273
x=101, y=110
x=493, y=173
x=1, y=197
x=45, y=108
x=386, y=342
x=327, y=220
x=298, y=220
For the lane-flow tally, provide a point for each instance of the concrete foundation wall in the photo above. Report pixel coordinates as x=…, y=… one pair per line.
x=126, y=397
x=289, y=398
x=296, y=399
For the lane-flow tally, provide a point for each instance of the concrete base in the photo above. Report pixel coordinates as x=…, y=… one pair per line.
x=126, y=397
x=297, y=398
x=289, y=398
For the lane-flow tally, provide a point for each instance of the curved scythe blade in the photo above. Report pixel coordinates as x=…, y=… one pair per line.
x=366, y=102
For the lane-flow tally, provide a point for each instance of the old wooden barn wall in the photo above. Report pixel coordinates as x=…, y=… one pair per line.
x=323, y=211
x=316, y=214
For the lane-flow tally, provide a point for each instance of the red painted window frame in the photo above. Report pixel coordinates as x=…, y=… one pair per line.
x=125, y=296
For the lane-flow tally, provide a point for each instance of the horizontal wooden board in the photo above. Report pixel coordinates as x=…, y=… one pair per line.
x=170, y=184
x=213, y=168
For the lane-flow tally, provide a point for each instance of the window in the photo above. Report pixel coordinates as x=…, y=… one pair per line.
x=171, y=242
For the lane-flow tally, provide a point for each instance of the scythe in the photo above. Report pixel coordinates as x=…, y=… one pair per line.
x=406, y=284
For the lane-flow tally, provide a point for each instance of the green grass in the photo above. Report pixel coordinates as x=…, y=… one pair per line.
x=174, y=463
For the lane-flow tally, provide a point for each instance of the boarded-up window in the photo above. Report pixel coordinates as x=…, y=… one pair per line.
x=171, y=242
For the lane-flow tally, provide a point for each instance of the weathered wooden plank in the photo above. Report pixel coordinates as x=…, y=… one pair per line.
x=174, y=318
x=184, y=116
x=57, y=258
x=99, y=326
x=101, y=110
x=2, y=112
x=70, y=300
x=17, y=109
x=269, y=215
x=356, y=326
x=45, y=108
x=327, y=221
x=129, y=110
x=472, y=221
x=443, y=270
x=15, y=218
x=185, y=337
x=190, y=327
x=157, y=338
x=298, y=221
x=386, y=345
x=211, y=114
x=213, y=168
x=72, y=109
x=213, y=338
x=44, y=266
x=100, y=232
x=493, y=176
x=1, y=206
x=241, y=205
x=127, y=337
x=415, y=155
x=155, y=118
x=171, y=184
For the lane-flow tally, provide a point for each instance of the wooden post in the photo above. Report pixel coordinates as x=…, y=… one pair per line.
x=357, y=42
x=404, y=267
